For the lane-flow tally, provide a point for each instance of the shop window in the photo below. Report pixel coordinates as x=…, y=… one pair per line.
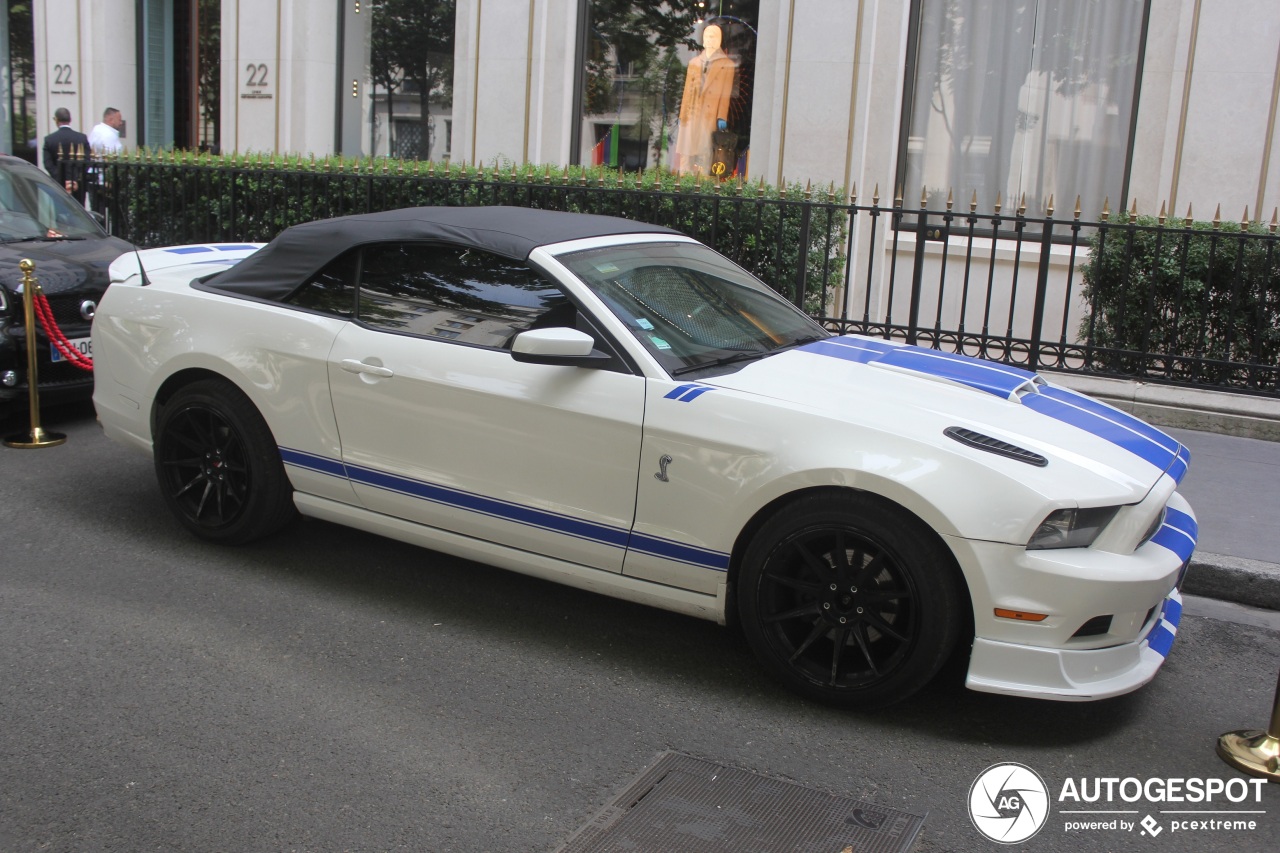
x=1035, y=98
x=667, y=85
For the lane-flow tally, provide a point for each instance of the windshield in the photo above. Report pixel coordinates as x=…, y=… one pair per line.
x=690, y=307
x=33, y=207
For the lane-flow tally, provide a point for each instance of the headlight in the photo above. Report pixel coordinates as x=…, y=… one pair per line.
x=4, y=301
x=1071, y=528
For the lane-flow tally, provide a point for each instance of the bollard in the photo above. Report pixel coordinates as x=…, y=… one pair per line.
x=37, y=437
x=1254, y=752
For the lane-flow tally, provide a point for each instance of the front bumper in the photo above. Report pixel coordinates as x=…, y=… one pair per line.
x=1075, y=676
x=1110, y=618
x=59, y=381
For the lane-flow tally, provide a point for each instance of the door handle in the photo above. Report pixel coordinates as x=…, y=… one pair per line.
x=351, y=365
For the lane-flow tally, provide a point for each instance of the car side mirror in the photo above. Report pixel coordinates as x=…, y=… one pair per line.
x=562, y=346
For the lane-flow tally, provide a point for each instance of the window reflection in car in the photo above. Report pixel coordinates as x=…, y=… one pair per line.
x=435, y=290
x=33, y=207
x=691, y=308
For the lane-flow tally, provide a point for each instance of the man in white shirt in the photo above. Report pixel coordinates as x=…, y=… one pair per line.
x=105, y=136
x=104, y=139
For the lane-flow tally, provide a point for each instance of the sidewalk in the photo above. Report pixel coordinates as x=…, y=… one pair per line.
x=1234, y=487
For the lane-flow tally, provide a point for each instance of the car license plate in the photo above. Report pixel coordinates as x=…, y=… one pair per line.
x=84, y=346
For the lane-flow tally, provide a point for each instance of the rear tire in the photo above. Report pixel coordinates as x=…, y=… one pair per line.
x=218, y=465
x=850, y=600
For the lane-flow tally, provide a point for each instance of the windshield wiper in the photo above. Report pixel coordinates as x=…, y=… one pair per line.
x=46, y=239
x=721, y=362
x=799, y=342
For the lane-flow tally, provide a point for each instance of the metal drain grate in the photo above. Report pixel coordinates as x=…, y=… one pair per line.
x=682, y=804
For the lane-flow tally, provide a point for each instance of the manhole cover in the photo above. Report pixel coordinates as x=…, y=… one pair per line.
x=682, y=804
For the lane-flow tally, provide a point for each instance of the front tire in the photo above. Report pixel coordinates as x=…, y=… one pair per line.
x=850, y=600
x=218, y=465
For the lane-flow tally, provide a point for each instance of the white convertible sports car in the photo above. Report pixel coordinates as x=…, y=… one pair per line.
x=615, y=406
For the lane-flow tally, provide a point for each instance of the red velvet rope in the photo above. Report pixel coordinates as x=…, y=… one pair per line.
x=70, y=353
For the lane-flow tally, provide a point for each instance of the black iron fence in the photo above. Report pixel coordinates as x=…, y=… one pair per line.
x=1183, y=302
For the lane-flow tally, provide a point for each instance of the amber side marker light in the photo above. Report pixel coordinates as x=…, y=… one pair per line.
x=1021, y=615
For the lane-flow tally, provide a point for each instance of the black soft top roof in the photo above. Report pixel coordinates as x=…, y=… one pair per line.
x=277, y=269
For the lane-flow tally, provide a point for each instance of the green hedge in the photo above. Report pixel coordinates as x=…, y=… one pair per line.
x=1179, y=302
x=163, y=198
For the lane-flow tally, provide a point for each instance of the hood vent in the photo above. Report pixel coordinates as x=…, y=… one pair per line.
x=994, y=445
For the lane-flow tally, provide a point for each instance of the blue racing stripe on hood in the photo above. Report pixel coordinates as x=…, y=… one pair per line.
x=1001, y=380
x=989, y=376
x=860, y=350
x=998, y=379
x=1119, y=428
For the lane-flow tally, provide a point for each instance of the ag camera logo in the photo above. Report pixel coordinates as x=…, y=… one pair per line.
x=1008, y=803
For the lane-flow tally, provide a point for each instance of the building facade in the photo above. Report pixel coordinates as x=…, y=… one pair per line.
x=1160, y=101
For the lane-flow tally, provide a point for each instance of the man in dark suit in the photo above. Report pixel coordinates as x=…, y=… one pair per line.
x=65, y=153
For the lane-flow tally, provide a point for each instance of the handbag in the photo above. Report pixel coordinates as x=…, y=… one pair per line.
x=724, y=152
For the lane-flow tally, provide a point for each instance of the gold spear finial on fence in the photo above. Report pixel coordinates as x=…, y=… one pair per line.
x=1187, y=222
x=1162, y=213
x=1022, y=205
x=875, y=197
x=973, y=202
x=1049, y=210
x=853, y=194
x=924, y=197
x=1275, y=220
x=950, y=199
x=998, y=204
x=1106, y=208
x=1244, y=220
x=1217, y=218
x=897, y=199
x=1133, y=212
x=1077, y=207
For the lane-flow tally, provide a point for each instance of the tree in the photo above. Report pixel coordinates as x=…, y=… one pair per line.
x=209, y=80
x=412, y=51
x=22, y=78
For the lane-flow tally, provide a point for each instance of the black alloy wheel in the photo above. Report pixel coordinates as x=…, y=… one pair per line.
x=218, y=465
x=850, y=600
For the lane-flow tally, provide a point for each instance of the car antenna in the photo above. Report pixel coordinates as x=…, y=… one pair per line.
x=141, y=269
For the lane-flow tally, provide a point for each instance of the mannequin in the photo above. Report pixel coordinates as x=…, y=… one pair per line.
x=704, y=107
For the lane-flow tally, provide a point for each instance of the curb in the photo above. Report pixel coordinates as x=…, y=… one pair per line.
x=1250, y=582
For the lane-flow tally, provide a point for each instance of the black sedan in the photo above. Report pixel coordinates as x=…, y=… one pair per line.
x=71, y=252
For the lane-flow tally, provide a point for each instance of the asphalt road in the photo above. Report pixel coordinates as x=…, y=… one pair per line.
x=327, y=690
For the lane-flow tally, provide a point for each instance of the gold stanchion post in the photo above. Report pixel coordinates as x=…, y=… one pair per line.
x=37, y=437
x=1254, y=752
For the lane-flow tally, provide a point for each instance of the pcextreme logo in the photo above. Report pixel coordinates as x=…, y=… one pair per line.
x=1009, y=803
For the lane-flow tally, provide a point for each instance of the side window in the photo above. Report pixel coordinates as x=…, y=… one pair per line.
x=454, y=293
x=333, y=289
